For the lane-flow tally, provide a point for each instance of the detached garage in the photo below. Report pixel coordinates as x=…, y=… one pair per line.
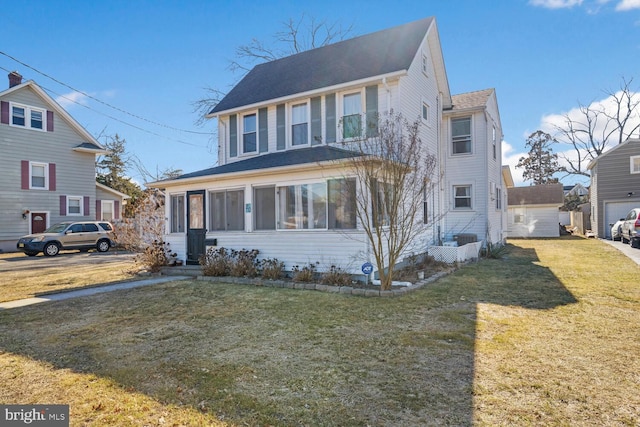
x=615, y=185
x=534, y=211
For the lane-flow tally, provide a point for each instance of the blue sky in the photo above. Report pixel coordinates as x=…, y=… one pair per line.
x=153, y=59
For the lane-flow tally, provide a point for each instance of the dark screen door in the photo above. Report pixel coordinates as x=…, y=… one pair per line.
x=196, y=230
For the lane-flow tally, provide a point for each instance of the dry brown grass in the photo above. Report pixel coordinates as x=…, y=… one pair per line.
x=17, y=282
x=537, y=338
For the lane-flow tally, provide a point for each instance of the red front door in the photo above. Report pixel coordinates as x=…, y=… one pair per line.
x=38, y=222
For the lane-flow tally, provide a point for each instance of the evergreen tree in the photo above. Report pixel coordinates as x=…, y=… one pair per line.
x=541, y=163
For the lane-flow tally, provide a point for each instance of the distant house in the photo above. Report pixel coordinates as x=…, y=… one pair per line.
x=283, y=184
x=533, y=211
x=47, y=166
x=109, y=203
x=615, y=185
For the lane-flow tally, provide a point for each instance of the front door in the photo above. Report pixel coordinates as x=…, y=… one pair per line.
x=196, y=230
x=38, y=222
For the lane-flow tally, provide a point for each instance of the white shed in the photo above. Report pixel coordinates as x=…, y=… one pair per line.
x=533, y=211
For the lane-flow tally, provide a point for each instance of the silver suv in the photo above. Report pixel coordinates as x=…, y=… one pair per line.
x=630, y=228
x=83, y=235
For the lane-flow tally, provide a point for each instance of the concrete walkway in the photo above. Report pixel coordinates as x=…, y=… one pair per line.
x=90, y=291
x=625, y=248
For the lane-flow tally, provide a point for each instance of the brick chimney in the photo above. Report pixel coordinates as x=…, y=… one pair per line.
x=14, y=79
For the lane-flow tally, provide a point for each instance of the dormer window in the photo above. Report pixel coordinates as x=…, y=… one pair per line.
x=299, y=125
x=28, y=117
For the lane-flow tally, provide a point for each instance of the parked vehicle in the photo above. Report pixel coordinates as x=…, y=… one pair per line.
x=630, y=228
x=83, y=235
x=616, y=229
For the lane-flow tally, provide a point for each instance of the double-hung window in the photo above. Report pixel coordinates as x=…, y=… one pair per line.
x=28, y=117
x=74, y=205
x=249, y=133
x=177, y=213
x=461, y=135
x=635, y=164
x=227, y=210
x=494, y=139
x=39, y=174
x=299, y=125
x=462, y=197
x=106, y=210
x=352, y=116
x=302, y=206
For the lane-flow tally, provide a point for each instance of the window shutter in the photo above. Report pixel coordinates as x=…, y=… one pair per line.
x=280, y=128
x=263, y=136
x=98, y=210
x=52, y=177
x=4, y=112
x=63, y=205
x=49, y=121
x=371, y=100
x=86, y=206
x=233, y=135
x=316, y=121
x=116, y=209
x=330, y=108
x=24, y=174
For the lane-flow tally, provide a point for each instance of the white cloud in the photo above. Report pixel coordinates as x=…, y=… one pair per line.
x=69, y=99
x=510, y=158
x=556, y=4
x=625, y=5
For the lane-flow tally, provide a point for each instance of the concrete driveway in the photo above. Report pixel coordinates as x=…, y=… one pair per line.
x=625, y=248
x=17, y=261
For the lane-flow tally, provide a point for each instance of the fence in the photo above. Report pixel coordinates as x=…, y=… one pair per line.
x=452, y=254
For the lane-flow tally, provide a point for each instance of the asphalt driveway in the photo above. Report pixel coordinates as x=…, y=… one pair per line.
x=18, y=261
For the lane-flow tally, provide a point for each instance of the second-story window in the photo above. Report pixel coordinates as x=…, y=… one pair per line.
x=299, y=125
x=249, y=134
x=27, y=117
x=461, y=135
x=352, y=116
x=39, y=175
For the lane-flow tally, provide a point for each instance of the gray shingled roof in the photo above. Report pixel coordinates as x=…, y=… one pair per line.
x=471, y=99
x=536, y=195
x=274, y=160
x=366, y=56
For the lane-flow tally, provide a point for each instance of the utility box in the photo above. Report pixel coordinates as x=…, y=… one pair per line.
x=465, y=238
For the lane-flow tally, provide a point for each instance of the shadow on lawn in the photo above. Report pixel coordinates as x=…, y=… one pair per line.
x=415, y=367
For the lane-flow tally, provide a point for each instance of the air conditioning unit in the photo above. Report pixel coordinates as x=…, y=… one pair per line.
x=465, y=238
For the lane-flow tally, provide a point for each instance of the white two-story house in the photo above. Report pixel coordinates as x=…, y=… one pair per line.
x=47, y=166
x=283, y=186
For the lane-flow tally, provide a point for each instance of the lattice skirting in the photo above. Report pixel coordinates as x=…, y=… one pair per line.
x=453, y=254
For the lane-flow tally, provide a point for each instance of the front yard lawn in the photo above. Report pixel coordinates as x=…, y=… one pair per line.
x=546, y=336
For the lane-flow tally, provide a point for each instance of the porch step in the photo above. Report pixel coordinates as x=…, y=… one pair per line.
x=182, y=270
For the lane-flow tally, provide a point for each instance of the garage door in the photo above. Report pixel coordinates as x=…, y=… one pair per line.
x=613, y=211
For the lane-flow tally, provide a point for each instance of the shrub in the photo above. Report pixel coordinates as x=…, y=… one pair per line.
x=495, y=250
x=272, y=268
x=304, y=274
x=336, y=276
x=244, y=263
x=215, y=262
x=154, y=256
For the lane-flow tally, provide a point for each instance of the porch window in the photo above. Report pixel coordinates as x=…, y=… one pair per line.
x=302, y=206
x=227, y=210
x=342, y=203
x=461, y=135
x=264, y=208
x=299, y=125
x=249, y=134
x=462, y=197
x=177, y=213
x=382, y=197
x=352, y=116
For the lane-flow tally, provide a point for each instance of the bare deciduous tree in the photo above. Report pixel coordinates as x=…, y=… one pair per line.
x=395, y=174
x=599, y=126
x=296, y=36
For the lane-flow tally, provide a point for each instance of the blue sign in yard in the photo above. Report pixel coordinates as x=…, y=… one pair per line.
x=367, y=268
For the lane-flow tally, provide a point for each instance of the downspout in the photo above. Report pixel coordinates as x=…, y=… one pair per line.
x=440, y=171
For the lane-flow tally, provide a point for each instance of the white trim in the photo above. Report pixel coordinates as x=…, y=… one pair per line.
x=46, y=176
x=111, y=190
x=81, y=199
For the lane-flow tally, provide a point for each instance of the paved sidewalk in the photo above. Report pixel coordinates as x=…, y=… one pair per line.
x=90, y=291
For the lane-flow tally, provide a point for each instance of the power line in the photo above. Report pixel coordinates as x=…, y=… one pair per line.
x=100, y=101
